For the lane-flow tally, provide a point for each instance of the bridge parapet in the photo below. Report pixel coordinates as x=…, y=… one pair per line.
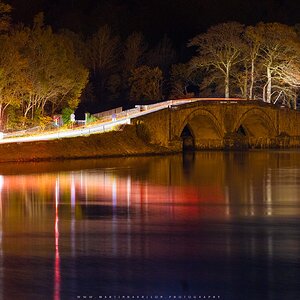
x=222, y=125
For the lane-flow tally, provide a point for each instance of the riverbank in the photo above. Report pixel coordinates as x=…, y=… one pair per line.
x=125, y=142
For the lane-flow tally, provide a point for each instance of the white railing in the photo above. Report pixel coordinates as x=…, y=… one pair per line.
x=106, y=122
x=68, y=133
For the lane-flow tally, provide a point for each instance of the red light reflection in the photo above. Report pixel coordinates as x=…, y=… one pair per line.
x=106, y=188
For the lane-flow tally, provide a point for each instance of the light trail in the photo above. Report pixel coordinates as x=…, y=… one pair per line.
x=121, y=118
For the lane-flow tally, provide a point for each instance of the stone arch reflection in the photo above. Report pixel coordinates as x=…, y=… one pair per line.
x=228, y=199
x=208, y=177
x=262, y=184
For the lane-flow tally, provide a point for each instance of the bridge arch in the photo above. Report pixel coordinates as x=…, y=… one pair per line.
x=256, y=123
x=200, y=129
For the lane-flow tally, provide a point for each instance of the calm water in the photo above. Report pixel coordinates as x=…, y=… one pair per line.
x=211, y=225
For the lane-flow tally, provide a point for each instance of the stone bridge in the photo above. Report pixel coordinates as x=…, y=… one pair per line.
x=228, y=124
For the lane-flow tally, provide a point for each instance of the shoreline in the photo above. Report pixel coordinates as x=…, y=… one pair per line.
x=129, y=142
x=125, y=143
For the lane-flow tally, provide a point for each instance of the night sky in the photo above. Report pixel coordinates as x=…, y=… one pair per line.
x=179, y=19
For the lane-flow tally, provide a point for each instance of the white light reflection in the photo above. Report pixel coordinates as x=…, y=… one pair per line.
x=114, y=217
x=227, y=201
x=73, y=192
x=86, y=189
x=270, y=247
x=269, y=194
x=145, y=196
x=114, y=192
x=57, y=258
x=73, y=203
x=251, y=199
x=128, y=190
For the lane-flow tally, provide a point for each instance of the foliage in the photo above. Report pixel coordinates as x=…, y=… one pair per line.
x=43, y=72
x=103, y=49
x=12, y=71
x=5, y=10
x=162, y=56
x=145, y=84
x=256, y=62
x=114, y=86
x=14, y=119
x=103, y=58
x=66, y=115
x=134, y=51
x=41, y=120
x=55, y=76
x=90, y=118
x=180, y=80
x=279, y=54
x=219, y=50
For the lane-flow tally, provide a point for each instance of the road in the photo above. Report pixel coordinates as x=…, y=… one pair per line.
x=121, y=118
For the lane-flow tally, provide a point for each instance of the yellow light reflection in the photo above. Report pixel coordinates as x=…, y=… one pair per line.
x=57, y=277
x=1, y=229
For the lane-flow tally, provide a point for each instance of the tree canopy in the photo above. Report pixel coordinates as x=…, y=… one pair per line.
x=46, y=70
x=255, y=62
x=40, y=73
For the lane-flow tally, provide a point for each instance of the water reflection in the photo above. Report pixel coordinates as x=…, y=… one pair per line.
x=1, y=234
x=211, y=184
x=57, y=260
x=208, y=223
